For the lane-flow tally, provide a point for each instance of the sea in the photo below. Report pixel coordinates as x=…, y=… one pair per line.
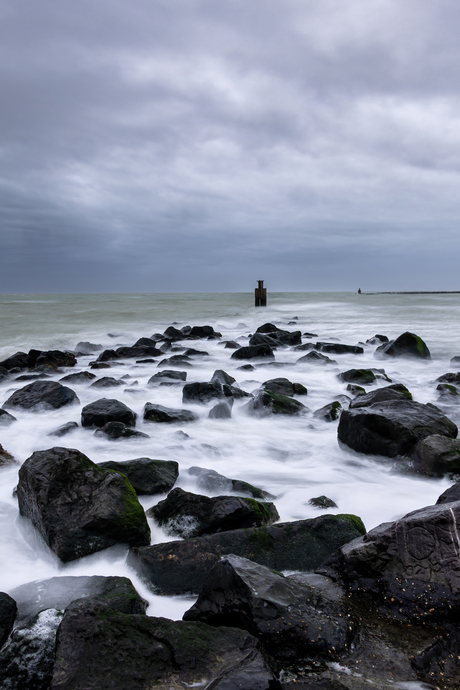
x=293, y=458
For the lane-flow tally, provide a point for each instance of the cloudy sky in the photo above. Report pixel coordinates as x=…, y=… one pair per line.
x=199, y=145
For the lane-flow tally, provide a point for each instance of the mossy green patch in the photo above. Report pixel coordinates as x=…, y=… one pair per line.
x=266, y=512
x=260, y=538
x=355, y=521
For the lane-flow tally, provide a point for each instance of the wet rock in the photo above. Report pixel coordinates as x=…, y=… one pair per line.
x=397, y=391
x=184, y=514
x=222, y=410
x=278, y=335
x=8, y=613
x=137, y=352
x=391, y=428
x=292, y=621
x=78, y=507
x=86, y=348
x=213, y=482
x=255, y=352
x=6, y=418
x=246, y=367
x=203, y=332
x=263, y=339
x=56, y=359
x=98, y=413
x=80, y=377
x=176, y=361
x=266, y=402
x=283, y=386
x=339, y=348
x=167, y=415
x=145, y=342
x=64, y=429
x=173, y=333
x=221, y=376
x=356, y=390
x=406, y=345
x=138, y=652
x=447, y=392
x=107, y=382
x=118, y=430
x=201, y=392
x=146, y=476
x=31, y=377
x=364, y=376
x=410, y=566
x=439, y=662
x=180, y=567
x=167, y=374
x=435, y=456
x=45, y=395
x=322, y=502
x=450, y=495
x=454, y=360
x=450, y=377
x=304, y=347
x=377, y=340
x=330, y=412
x=100, y=365
x=235, y=392
x=232, y=345
x=315, y=358
x=107, y=356
x=268, y=328
x=20, y=360
x=6, y=458
x=191, y=352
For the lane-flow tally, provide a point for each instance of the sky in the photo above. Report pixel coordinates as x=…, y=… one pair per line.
x=202, y=145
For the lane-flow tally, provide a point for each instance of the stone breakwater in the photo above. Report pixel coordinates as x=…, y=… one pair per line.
x=315, y=603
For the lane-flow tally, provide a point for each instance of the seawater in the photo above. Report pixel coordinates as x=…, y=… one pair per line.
x=294, y=458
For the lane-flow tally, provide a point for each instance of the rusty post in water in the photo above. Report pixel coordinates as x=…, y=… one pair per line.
x=261, y=294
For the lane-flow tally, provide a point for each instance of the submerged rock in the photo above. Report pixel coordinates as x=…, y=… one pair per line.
x=222, y=410
x=435, y=456
x=213, y=482
x=201, y=392
x=167, y=415
x=167, y=374
x=322, y=502
x=80, y=377
x=45, y=395
x=406, y=345
x=253, y=352
x=330, y=412
x=98, y=413
x=107, y=382
x=397, y=391
x=146, y=476
x=339, y=348
x=78, y=507
x=266, y=402
x=315, y=358
x=64, y=429
x=117, y=430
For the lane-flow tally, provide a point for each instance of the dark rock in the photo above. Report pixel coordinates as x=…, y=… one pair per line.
x=266, y=402
x=330, y=412
x=173, y=333
x=116, y=430
x=31, y=377
x=222, y=410
x=137, y=352
x=213, y=482
x=20, y=360
x=201, y=392
x=406, y=345
x=145, y=342
x=8, y=613
x=96, y=643
x=322, y=502
x=203, y=332
x=107, y=356
x=234, y=392
x=256, y=352
x=339, y=348
x=146, y=476
x=46, y=395
x=78, y=507
x=80, y=377
x=439, y=662
x=232, y=345
x=184, y=514
x=364, y=376
x=6, y=418
x=56, y=359
x=59, y=592
x=176, y=361
x=310, y=335
x=455, y=360
x=221, y=376
x=450, y=495
x=98, y=413
x=100, y=365
x=190, y=352
x=315, y=358
x=292, y=621
x=185, y=330
x=107, y=382
x=356, y=390
x=435, y=456
x=268, y=328
x=396, y=391
x=246, y=367
x=167, y=374
x=447, y=392
x=449, y=378
x=85, y=348
x=391, y=428
x=299, y=389
x=262, y=339
x=64, y=429
x=377, y=340
x=303, y=348
x=410, y=567
x=167, y=415
x=281, y=386
x=181, y=566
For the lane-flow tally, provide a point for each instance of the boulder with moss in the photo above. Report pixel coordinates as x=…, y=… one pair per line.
x=146, y=475
x=266, y=402
x=406, y=345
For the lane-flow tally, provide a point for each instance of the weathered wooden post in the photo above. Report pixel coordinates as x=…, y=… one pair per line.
x=261, y=294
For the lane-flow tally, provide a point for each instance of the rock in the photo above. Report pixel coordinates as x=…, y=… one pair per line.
x=292, y=621
x=190, y=352
x=397, y=391
x=268, y=328
x=167, y=415
x=31, y=377
x=304, y=347
x=64, y=429
x=234, y=392
x=20, y=360
x=377, y=340
x=184, y=514
x=41, y=395
x=279, y=335
x=454, y=360
x=435, y=456
x=173, y=333
x=136, y=652
x=203, y=332
x=330, y=412
x=232, y=345
x=137, y=352
x=283, y=386
x=406, y=345
x=450, y=495
x=222, y=410
x=180, y=567
x=339, y=348
x=315, y=358
x=100, y=365
x=221, y=376
x=8, y=613
x=322, y=502
x=255, y=352
x=201, y=392
x=409, y=567
x=449, y=378
x=107, y=356
x=146, y=476
x=167, y=374
x=56, y=359
x=145, y=342
x=447, y=392
x=6, y=458
x=60, y=592
x=213, y=482
x=85, y=348
x=391, y=428
x=356, y=390
x=77, y=507
x=6, y=418
x=98, y=413
x=364, y=376
x=116, y=430
x=107, y=382
x=266, y=403
x=80, y=377
x=176, y=361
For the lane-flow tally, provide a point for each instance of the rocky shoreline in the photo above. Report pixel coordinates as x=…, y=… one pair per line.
x=319, y=604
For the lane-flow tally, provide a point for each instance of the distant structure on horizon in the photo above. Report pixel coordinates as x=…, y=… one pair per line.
x=261, y=294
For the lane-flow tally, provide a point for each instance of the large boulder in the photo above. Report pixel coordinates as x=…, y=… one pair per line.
x=78, y=507
x=201, y=392
x=104, y=410
x=283, y=386
x=180, y=567
x=167, y=415
x=406, y=345
x=409, y=567
x=146, y=476
x=203, y=332
x=108, y=382
x=435, y=456
x=79, y=377
x=254, y=352
x=137, y=352
x=184, y=514
x=396, y=391
x=56, y=359
x=167, y=374
x=293, y=622
x=41, y=395
x=20, y=360
x=266, y=402
x=362, y=376
x=339, y=348
x=8, y=613
x=392, y=427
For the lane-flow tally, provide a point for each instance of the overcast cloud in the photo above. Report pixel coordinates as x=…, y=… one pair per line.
x=174, y=145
